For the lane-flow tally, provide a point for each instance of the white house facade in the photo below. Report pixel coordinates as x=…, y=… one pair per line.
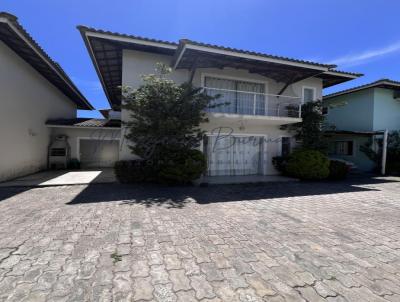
x=39, y=127
x=263, y=93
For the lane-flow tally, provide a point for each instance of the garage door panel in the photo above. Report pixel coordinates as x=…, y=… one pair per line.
x=233, y=155
x=98, y=153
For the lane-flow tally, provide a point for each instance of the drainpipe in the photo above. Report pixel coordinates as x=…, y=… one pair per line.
x=384, y=152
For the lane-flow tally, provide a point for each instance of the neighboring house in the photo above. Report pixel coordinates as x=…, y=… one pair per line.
x=359, y=115
x=33, y=91
x=264, y=92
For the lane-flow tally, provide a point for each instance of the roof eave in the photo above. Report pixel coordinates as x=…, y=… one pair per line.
x=187, y=44
x=375, y=84
x=83, y=30
x=12, y=22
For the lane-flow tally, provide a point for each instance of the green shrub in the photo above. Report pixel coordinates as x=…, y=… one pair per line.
x=74, y=164
x=280, y=163
x=171, y=167
x=308, y=165
x=181, y=166
x=133, y=171
x=338, y=170
x=393, y=162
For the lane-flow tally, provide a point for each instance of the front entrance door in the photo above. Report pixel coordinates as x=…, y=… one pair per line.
x=235, y=155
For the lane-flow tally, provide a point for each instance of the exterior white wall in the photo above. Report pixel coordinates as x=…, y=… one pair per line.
x=137, y=63
x=74, y=134
x=27, y=100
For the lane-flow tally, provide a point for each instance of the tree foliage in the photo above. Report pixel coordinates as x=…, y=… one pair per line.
x=309, y=132
x=164, y=114
x=392, y=154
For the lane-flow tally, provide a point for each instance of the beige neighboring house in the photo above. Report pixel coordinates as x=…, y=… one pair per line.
x=34, y=90
x=264, y=92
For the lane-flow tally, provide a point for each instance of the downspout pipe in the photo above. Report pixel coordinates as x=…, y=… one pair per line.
x=384, y=151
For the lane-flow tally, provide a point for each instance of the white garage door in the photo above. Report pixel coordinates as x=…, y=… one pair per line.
x=98, y=153
x=235, y=155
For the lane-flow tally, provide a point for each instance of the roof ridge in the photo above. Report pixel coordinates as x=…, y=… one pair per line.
x=83, y=28
x=8, y=16
x=88, y=28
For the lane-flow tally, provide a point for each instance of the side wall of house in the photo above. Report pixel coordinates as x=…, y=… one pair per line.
x=352, y=112
x=27, y=100
x=137, y=63
x=359, y=158
x=386, y=110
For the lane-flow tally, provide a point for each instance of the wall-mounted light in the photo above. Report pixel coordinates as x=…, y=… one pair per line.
x=241, y=126
x=31, y=132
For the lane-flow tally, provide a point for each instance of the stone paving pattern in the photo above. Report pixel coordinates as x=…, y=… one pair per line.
x=273, y=242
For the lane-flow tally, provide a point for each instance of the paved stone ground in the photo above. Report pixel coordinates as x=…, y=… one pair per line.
x=275, y=242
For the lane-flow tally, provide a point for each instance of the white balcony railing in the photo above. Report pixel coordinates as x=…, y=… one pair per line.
x=254, y=103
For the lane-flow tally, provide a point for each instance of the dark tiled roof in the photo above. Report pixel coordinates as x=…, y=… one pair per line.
x=187, y=41
x=386, y=83
x=33, y=54
x=103, y=49
x=85, y=122
x=84, y=28
x=355, y=74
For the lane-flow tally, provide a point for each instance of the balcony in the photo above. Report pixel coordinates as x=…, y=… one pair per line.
x=255, y=106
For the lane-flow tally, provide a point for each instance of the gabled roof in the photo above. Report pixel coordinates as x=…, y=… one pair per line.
x=105, y=49
x=382, y=83
x=186, y=43
x=19, y=40
x=84, y=123
x=334, y=77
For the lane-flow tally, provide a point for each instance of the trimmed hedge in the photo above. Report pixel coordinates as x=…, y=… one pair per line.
x=280, y=163
x=133, y=171
x=338, y=170
x=308, y=165
x=181, y=166
x=173, y=167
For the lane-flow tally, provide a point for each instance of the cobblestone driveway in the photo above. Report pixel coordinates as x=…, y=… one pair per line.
x=276, y=242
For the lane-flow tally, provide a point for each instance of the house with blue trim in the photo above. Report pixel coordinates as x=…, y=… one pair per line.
x=358, y=116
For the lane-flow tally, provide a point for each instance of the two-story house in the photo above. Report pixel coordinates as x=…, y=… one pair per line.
x=263, y=92
x=360, y=115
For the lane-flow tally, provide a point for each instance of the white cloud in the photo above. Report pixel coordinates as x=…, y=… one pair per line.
x=363, y=57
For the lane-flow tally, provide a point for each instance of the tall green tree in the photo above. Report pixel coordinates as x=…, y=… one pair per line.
x=310, y=132
x=164, y=115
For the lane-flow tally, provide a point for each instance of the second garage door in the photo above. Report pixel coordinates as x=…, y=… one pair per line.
x=98, y=153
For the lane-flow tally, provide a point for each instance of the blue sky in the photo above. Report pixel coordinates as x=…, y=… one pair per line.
x=357, y=35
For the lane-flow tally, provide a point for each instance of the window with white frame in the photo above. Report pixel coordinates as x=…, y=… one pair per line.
x=308, y=94
x=285, y=146
x=344, y=148
x=237, y=97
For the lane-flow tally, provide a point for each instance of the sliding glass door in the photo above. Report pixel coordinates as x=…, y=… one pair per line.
x=239, y=97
